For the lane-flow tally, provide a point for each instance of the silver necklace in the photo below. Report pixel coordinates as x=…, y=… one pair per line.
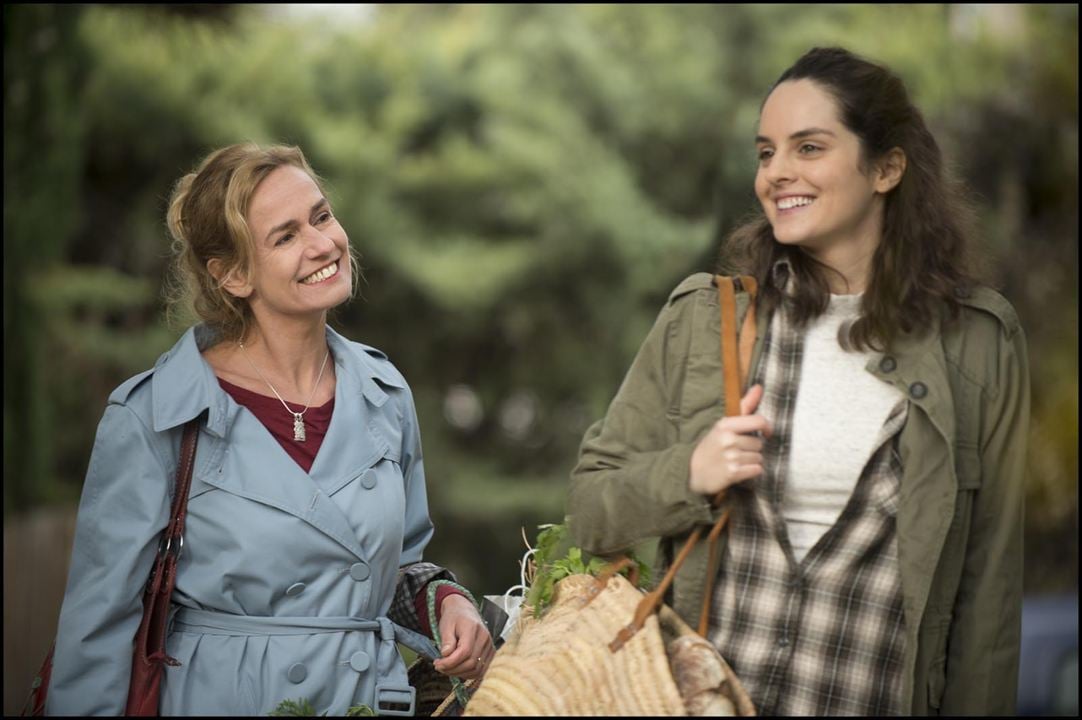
x=298, y=417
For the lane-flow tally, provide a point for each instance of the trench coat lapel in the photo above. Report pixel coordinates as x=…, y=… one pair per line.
x=254, y=466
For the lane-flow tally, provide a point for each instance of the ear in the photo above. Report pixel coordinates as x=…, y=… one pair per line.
x=234, y=282
x=889, y=170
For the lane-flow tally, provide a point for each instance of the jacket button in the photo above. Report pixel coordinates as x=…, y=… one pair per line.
x=359, y=661
x=918, y=390
x=368, y=480
x=359, y=571
x=887, y=364
x=295, y=589
x=297, y=673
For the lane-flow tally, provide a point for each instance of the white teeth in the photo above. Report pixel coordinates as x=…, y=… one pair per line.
x=792, y=202
x=321, y=274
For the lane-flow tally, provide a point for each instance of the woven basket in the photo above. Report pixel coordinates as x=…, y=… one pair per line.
x=562, y=665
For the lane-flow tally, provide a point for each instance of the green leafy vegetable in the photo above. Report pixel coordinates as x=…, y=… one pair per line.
x=301, y=707
x=556, y=559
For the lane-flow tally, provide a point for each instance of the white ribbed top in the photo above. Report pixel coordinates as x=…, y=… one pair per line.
x=840, y=409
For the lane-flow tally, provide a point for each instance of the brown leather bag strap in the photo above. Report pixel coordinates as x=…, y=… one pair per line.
x=174, y=532
x=736, y=364
x=730, y=358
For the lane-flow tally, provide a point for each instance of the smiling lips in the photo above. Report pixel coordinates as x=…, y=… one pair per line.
x=321, y=275
x=794, y=201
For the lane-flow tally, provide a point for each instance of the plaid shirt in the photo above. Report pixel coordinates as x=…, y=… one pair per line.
x=412, y=580
x=824, y=636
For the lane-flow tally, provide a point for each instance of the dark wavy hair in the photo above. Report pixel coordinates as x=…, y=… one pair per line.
x=924, y=262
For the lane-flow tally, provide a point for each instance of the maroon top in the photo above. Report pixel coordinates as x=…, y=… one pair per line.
x=274, y=417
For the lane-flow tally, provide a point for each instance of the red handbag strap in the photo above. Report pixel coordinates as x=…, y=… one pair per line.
x=174, y=532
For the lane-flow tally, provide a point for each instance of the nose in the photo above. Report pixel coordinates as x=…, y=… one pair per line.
x=319, y=243
x=779, y=170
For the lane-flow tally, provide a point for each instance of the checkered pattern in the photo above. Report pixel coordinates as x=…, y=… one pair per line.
x=824, y=636
x=412, y=580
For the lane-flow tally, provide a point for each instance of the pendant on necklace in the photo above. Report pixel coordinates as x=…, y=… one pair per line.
x=298, y=427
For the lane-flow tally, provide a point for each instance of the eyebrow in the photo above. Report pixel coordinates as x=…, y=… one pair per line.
x=800, y=134
x=291, y=224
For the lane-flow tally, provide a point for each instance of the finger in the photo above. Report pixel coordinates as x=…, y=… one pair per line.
x=740, y=473
x=746, y=443
x=744, y=424
x=738, y=459
x=751, y=399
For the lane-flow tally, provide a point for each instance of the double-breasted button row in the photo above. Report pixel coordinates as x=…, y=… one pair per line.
x=359, y=661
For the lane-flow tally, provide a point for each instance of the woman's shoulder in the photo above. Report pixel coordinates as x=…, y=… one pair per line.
x=372, y=361
x=986, y=310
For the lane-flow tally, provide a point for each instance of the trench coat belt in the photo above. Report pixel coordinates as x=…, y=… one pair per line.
x=209, y=622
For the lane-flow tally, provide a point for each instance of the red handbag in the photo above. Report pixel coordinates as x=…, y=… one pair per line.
x=149, y=656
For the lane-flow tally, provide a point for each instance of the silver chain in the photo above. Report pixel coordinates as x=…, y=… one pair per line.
x=298, y=417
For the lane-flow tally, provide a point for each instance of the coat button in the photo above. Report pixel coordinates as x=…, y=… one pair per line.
x=297, y=673
x=918, y=390
x=359, y=571
x=368, y=479
x=295, y=589
x=359, y=661
x=887, y=364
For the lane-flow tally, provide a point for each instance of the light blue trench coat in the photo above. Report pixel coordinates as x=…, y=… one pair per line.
x=285, y=578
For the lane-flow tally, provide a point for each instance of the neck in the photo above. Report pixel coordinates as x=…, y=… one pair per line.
x=849, y=263
x=293, y=356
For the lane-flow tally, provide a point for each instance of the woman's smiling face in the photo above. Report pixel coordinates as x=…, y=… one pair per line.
x=811, y=179
x=301, y=253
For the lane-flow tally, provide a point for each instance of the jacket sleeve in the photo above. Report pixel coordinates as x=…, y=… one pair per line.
x=983, y=646
x=123, y=510
x=631, y=480
x=413, y=574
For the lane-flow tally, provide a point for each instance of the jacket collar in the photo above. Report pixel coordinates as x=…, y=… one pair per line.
x=184, y=385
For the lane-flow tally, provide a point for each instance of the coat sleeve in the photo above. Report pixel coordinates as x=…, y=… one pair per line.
x=985, y=635
x=631, y=480
x=123, y=510
x=413, y=574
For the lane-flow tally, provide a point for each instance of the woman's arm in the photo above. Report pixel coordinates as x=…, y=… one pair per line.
x=631, y=481
x=983, y=647
x=124, y=508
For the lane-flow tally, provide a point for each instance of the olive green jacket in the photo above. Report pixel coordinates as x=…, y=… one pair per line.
x=959, y=522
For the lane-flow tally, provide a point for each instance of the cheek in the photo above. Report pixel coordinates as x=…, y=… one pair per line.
x=762, y=188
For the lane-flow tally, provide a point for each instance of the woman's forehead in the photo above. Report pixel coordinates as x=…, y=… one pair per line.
x=795, y=106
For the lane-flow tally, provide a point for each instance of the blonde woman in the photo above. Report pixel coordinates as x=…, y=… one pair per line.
x=307, y=515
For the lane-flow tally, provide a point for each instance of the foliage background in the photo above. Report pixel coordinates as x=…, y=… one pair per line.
x=526, y=183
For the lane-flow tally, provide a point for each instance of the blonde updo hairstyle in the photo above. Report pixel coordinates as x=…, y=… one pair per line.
x=207, y=219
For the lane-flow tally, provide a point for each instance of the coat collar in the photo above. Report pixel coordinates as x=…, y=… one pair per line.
x=184, y=385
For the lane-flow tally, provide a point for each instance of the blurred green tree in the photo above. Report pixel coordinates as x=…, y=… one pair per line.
x=525, y=184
